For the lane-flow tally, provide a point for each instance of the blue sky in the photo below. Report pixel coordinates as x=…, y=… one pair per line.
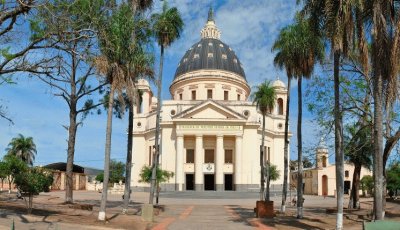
x=249, y=27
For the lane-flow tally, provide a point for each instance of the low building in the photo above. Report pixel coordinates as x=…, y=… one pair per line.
x=59, y=177
x=321, y=180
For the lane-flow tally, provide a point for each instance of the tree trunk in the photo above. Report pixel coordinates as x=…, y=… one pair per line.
x=339, y=154
x=71, y=151
x=156, y=138
x=378, y=143
x=128, y=165
x=355, y=187
x=286, y=151
x=300, y=153
x=262, y=162
x=102, y=212
x=377, y=55
x=30, y=204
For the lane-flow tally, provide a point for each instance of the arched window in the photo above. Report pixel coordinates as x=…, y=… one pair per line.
x=280, y=106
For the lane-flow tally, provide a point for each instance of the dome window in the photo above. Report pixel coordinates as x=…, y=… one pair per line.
x=235, y=60
x=220, y=45
x=210, y=44
x=224, y=56
x=199, y=45
x=196, y=56
x=210, y=55
x=185, y=60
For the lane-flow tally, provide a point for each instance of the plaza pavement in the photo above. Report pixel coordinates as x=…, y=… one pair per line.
x=182, y=210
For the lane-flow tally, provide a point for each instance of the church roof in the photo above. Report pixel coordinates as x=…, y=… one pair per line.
x=210, y=53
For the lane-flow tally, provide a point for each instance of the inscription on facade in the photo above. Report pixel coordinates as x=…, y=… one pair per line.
x=210, y=127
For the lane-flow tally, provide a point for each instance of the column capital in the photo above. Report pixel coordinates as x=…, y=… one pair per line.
x=220, y=136
x=199, y=135
x=179, y=135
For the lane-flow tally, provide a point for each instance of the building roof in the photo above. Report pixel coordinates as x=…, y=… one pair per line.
x=62, y=166
x=210, y=53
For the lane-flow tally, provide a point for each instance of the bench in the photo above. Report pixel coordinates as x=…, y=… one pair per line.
x=381, y=224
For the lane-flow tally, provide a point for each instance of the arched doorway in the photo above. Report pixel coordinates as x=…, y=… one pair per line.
x=324, y=185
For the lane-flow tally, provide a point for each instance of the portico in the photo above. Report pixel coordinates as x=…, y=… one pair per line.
x=208, y=157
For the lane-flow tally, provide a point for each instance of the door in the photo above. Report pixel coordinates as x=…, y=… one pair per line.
x=228, y=179
x=209, y=182
x=189, y=181
x=346, y=186
x=324, y=185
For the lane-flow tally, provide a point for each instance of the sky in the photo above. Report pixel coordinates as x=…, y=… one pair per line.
x=248, y=27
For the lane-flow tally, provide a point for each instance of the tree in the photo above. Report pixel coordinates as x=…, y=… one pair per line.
x=358, y=151
x=393, y=178
x=3, y=173
x=167, y=27
x=100, y=177
x=13, y=166
x=385, y=38
x=264, y=97
x=302, y=51
x=115, y=62
x=32, y=182
x=162, y=176
x=367, y=184
x=116, y=171
x=334, y=20
x=273, y=173
x=70, y=74
x=23, y=148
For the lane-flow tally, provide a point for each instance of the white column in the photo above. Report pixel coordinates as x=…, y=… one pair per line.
x=238, y=161
x=146, y=102
x=219, y=166
x=198, y=164
x=179, y=162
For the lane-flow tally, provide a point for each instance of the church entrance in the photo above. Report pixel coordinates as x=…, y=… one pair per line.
x=209, y=182
x=189, y=181
x=228, y=179
x=346, y=186
x=324, y=185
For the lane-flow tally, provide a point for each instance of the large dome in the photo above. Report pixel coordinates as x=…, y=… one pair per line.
x=210, y=53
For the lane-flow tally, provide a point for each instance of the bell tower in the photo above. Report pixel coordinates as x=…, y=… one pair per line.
x=322, y=155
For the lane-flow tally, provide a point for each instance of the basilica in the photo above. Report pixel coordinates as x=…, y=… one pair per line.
x=210, y=129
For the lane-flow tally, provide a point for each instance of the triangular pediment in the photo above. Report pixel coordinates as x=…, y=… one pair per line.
x=209, y=110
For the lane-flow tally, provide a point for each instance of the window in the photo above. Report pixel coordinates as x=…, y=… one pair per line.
x=209, y=93
x=346, y=173
x=190, y=156
x=194, y=95
x=180, y=96
x=226, y=94
x=280, y=106
x=228, y=156
x=324, y=161
x=210, y=55
x=238, y=97
x=209, y=156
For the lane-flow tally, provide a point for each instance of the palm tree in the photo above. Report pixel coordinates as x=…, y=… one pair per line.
x=299, y=50
x=264, y=97
x=334, y=20
x=385, y=37
x=283, y=59
x=117, y=52
x=167, y=27
x=22, y=147
x=142, y=65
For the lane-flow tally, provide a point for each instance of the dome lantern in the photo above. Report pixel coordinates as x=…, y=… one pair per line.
x=210, y=30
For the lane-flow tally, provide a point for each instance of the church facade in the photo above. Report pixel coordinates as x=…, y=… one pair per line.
x=210, y=130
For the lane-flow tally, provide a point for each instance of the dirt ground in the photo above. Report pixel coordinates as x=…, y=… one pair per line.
x=50, y=208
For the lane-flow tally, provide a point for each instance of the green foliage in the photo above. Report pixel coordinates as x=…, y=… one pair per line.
x=23, y=148
x=393, y=178
x=167, y=25
x=100, y=177
x=34, y=181
x=367, y=184
x=14, y=165
x=5, y=52
x=264, y=97
x=162, y=175
x=37, y=30
x=3, y=170
x=274, y=173
x=117, y=170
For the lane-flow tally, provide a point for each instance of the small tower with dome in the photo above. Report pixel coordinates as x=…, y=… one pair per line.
x=322, y=155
